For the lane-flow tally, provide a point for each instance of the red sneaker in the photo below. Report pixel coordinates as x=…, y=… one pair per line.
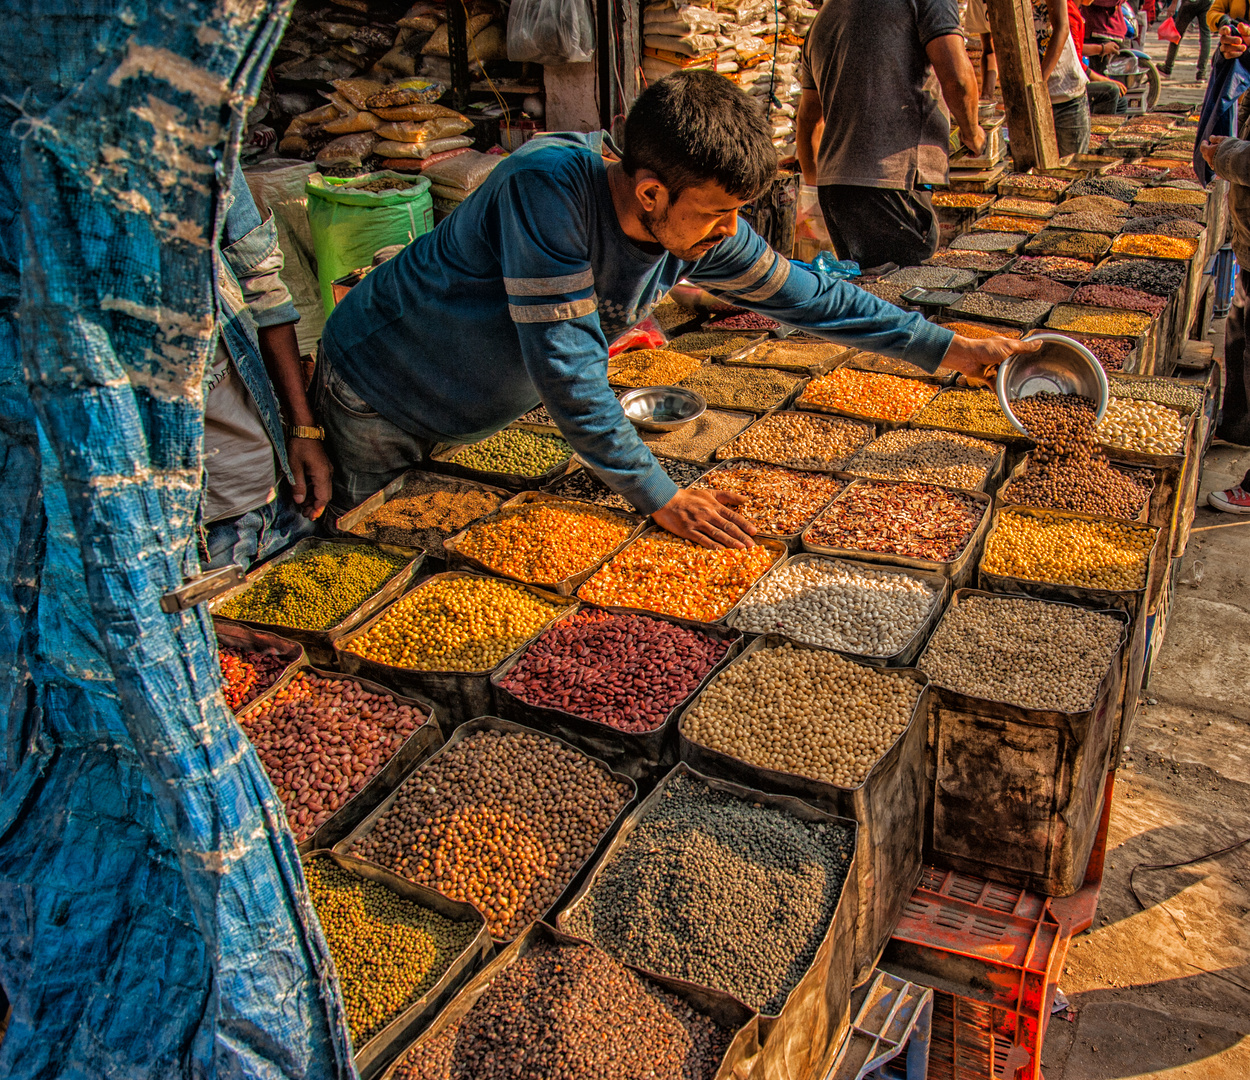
x=1233, y=501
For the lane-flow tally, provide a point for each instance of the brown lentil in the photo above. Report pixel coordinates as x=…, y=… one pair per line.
x=626, y=671
x=779, y=501
x=1027, y=653
x=1154, y=246
x=699, y=439
x=989, y=241
x=1137, y=171
x=1074, y=245
x=454, y=624
x=1008, y=223
x=651, y=367
x=1111, y=353
x=718, y=891
x=516, y=451
x=1117, y=296
x=1106, y=224
x=1035, y=208
x=749, y=388
x=571, y=1012
x=1039, y=546
x=930, y=457
x=545, y=542
x=746, y=320
x=1145, y=426
x=985, y=261
x=502, y=820
x=1003, y=308
x=1094, y=204
x=839, y=718
x=387, y=950
x=971, y=411
x=710, y=343
x=817, y=355
x=1029, y=287
x=316, y=589
x=865, y=393
x=321, y=740
x=427, y=510
x=1091, y=320
x=916, y=521
x=1039, y=183
x=671, y=576
x=800, y=440
x=1058, y=267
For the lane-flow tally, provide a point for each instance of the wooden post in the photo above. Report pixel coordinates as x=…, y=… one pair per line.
x=1029, y=119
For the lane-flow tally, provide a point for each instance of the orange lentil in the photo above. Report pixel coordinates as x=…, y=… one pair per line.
x=865, y=393
x=1009, y=223
x=962, y=200
x=652, y=367
x=666, y=574
x=1152, y=245
x=979, y=330
x=545, y=542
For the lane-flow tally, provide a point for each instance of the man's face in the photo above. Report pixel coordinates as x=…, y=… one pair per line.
x=689, y=227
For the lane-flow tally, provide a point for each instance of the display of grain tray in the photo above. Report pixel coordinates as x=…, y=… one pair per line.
x=1013, y=439
x=1143, y=516
x=1089, y=246
x=320, y=643
x=1034, y=825
x=960, y=569
x=232, y=635
x=495, y=723
x=888, y=804
x=992, y=241
x=458, y=560
x=678, y=444
x=727, y=1011
x=1021, y=185
x=931, y=277
x=416, y=748
x=1009, y=310
x=445, y=461
x=461, y=694
x=1035, y=208
x=414, y=1017
x=866, y=428
x=803, y=1038
x=717, y=399
x=887, y=365
x=751, y=337
x=1063, y=319
x=993, y=474
x=881, y=423
x=363, y=512
x=642, y=756
x=791, y=539
x=1192, y=246
x=805, y=358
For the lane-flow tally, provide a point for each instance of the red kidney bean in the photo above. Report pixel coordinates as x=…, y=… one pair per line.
x=626, y=671
x=321, y=740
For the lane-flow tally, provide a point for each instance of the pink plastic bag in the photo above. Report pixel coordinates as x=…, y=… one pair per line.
x=1167, y=31
x=646, y=335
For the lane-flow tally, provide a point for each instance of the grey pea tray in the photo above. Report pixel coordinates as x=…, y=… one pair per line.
x=420, y=745
x=727, y=1011
x=320, y=643
x=803, y=1037
x=456, y=559
x=462, y=694
x=905, y=657
x=444, y=461
x=238, y=636
x=640, y=755
x=868, y=430
x=960, y=569
x=495, y=723
x=993, y=471
x=888, y=804
x=380, y=1050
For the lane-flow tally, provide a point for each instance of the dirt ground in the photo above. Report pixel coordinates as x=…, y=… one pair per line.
x=1164, y=991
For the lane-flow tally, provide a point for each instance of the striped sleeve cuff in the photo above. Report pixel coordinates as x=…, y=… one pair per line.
x=550, y=299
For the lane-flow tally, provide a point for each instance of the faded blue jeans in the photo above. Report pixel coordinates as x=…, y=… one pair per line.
x=257, y=534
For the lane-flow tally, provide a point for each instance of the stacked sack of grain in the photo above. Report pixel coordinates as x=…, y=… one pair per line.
x=678, y=36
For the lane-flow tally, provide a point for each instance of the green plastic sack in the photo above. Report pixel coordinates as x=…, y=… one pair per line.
x=349, y=225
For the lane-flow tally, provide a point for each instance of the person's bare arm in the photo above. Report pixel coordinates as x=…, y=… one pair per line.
x=809, y=124
x=959, y=86
x=1057, y=15
x=989, y=68
x=310, y=468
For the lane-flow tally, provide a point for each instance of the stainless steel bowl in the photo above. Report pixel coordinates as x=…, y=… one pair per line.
x=1063, y=366
x=662, y=408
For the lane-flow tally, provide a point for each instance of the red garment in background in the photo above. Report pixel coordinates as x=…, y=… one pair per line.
x=1103, y=17
x=1076, y=23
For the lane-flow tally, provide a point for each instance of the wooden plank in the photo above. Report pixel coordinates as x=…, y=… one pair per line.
x=1020, y=73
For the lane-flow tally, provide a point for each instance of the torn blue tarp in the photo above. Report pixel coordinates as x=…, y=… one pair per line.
x=153, y=917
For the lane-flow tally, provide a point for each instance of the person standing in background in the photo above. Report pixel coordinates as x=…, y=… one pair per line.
x=1104, y=22
x=871, y=136
x=977, y=21
x=1227, y=13
x=1064, y=75
x=1104, y=94
x=1182, y=13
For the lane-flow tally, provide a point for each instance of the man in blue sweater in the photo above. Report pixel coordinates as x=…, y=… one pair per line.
x=512, y=300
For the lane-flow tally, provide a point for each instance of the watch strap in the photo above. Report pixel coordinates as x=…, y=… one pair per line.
x=297, y=431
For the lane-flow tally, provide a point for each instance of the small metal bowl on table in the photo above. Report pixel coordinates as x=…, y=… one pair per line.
x=1062, y=366
x=662, y=408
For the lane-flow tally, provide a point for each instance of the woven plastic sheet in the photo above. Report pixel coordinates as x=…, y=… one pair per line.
x=153, y=915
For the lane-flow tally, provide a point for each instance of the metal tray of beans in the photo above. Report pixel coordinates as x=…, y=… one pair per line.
x=888, y=802
x=1009, y=436
x=881, y=423
x=642, y=755
x=865, y=433
x=803, y=357
x=290, y=654
x=382, y=1048
x=803, y=1037
x=425, y=739
x=960, y=569
x=360, y=515
x=319, y=644
x=1008, y=310
x=444, y=461
x=494, y=723
x=993, y=472
x=1016, y=793
x=457, y=559
x=463, y=694
x=696, y=442
x=716, y=399
x=887, y=365
x=1150, y=500
x=829, y=477
x=728, y=1012
x=905, y=656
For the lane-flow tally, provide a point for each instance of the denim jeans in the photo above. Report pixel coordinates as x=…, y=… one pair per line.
x=257, y=534
x=1234, y=422
x=1071, y=125
x=366, y=450
x=1105, y=99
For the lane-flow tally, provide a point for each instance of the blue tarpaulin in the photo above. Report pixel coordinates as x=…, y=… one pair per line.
x=153, y=915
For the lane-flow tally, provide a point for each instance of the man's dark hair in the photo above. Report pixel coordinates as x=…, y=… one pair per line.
x=695, y=126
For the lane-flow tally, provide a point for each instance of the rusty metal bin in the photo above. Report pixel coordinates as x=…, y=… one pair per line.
x=1016, y=793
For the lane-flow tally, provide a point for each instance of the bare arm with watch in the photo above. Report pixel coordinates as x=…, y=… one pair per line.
x=954, y=73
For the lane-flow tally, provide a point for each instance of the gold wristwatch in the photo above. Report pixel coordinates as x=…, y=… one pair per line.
x=297, y=431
